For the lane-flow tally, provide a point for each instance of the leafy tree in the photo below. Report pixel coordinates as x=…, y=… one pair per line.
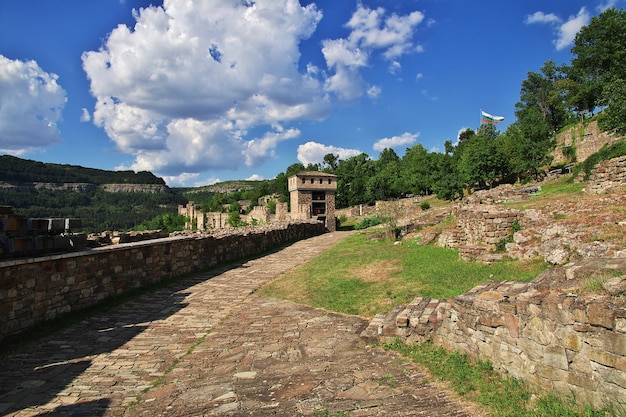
x=352, y=178
x=168, y=222
x=482, y=164
x=330, y=162
x=601, y=61
x=541, y=102
x=447, y=183
x=614, y=117
x=417, y=170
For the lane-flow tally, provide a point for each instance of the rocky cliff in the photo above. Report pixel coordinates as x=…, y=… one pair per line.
x=85, y=187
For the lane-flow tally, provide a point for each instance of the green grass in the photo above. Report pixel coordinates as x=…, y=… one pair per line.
x=560, y=187
x=366, y=277
x=439, y=273
x=477, y=381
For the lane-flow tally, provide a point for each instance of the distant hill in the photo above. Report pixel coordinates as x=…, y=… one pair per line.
x=17, y=170
x=223, y=187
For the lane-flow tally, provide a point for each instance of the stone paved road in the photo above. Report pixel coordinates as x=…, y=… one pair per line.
x=209, y=346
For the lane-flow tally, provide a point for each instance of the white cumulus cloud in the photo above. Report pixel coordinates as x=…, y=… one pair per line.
x=541, y=17
x=31, y=105
x=565, y=30
x=182, y=88
x=198, y=85
x=313, y=152
x=404, y=139
x=569, y=29
x=372, y=31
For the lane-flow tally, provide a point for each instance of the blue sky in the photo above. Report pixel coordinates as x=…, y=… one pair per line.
x=199, y=91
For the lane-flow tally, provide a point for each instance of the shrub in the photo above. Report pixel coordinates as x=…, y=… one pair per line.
x=369, y=222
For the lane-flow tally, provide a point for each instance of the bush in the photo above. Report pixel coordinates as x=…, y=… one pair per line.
x=424, y=205
x=369, y=222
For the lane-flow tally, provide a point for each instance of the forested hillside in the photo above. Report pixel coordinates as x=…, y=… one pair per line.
x=99, y=209
x=19, y=170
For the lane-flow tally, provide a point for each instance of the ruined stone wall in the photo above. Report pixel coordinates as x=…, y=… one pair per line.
x=331, y=223
x=282, y=212
x=607, y=175
x=484, y=225
x=37, y=289
x=554, y=332
x=560, y=342
x=587, y=141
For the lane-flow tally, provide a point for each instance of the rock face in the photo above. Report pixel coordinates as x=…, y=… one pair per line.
x=136, y=188
x=52, y=186
x=86, y=187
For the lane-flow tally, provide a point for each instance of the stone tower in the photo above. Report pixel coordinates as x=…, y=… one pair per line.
x=312, y=195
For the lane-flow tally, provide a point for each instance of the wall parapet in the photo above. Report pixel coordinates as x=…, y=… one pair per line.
x=33, y=290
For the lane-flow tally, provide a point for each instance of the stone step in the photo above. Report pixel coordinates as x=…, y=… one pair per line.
x=414, y=322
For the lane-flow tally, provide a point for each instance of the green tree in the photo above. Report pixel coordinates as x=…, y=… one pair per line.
x=330, y=162
x=352, y=178
x=447, y=183
x=417, y=170
x=600, y=59
x=541, y=101
x=482, y=164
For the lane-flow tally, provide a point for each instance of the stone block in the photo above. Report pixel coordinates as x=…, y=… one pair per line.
x=582, y=380
x=556, y=357
x=572, y=341
x=615, y=286
x=536, y=331
x=550, y=373
x=512, y=324
x=601, y=314
x=611, y=375
x=614, y=342
x=608, y=359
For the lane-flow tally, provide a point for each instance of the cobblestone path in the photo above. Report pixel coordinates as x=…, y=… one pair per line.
x=209, y=346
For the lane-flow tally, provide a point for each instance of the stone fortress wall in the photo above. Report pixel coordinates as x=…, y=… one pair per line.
x=548, y=332
x=607, y=175
x=586, y=140
x=33, y=290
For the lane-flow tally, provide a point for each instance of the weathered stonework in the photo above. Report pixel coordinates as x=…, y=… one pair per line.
x=550, y=332
x=312, y=195
x=586, y=142
x=480, y=225
x=607, y=175
x=33, y=290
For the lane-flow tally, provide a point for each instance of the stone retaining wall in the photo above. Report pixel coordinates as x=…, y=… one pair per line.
x=37, y=289
x=554, y=332
x=484, y=225
x=607, y=175
x=586, y=142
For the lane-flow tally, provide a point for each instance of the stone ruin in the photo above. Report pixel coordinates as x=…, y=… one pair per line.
x=564, y=332
x=607, y=175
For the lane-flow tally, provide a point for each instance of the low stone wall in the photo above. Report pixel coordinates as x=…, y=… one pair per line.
x=607, y=175
x=481, y=224
x=554, y=332
x=34, y=290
